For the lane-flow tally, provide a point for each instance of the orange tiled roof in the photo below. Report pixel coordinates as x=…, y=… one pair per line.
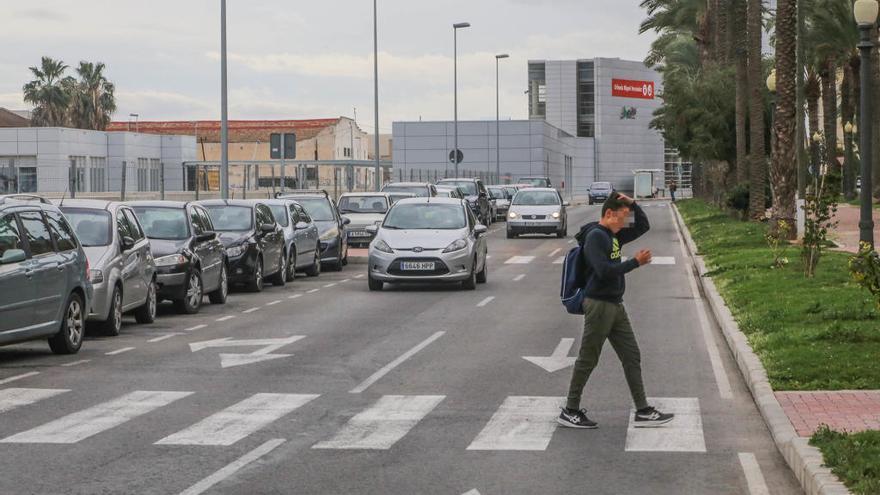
x=240, y=131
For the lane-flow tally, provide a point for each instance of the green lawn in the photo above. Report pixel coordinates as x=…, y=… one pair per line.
x=811, y=334
x=854, y=458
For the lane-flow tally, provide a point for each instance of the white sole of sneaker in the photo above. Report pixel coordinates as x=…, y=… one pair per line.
x=652, y=424
x=569, y=425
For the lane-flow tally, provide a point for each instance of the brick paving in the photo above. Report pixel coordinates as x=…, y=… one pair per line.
x=850, y=411
x=847, y=232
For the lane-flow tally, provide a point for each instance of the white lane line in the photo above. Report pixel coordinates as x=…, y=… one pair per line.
x=163, y=337
x=273, y=303
x=488, y=256
x=361, y=275
x=682, y=434
x=472, y=492
x=119, y=351
x=571, y=241
x=519, y=277
x=77, y=363
x=560, y=260
x=233, y=467
x=554, y=253
x=754, y=476
x=13, y=398
x=519, y=260
x=197, y=327
x=330, y=285
x=102, y=417
x=393, y=364
x=345, y=280
x=225, y=318
x=239, y=420
x=485, y=301
x=520, y=423
x=248, y=311
x=18, y=377
x=724, y=388
x=312, y=291
x=295, y=296
x=384, y=423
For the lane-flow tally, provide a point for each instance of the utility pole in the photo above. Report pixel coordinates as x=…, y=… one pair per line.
x=224, y=117
x=376, y=95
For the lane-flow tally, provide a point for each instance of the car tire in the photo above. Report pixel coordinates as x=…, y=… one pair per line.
x=511, y=235
x=471, y=282
x=256, y=282
x=147, y=312
x=291, y=265
x=192, y=299
x=483, y=275
x=562, y=233
x=373, y=284
x=69, y=338
x=345, y=257
x=219, y=296
x=315, y=269
x=590, y=201
x=280, y=277
x=112, y=326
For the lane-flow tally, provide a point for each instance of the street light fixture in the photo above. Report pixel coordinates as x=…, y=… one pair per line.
x=498, y=120
x=865, y=14
x=455, y=28
x=771, y=81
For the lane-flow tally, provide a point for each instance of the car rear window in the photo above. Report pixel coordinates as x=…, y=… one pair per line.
x=319, y=209
x=419, y=191
x=162, y=222
x=92, y=227
x=363, y=204
x=468, y=187
x=280, y=213
x=230, y=218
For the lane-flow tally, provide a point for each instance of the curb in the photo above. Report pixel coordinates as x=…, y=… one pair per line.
x=358, y=260
x=804, y=460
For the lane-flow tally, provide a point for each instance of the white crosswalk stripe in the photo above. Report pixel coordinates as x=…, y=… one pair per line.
x=102, y=417
x=384, y=423
x=519, y=260
x=521, y=423
x=682, y=434
x=240, y=420
x=13, y=398
x=560, y=260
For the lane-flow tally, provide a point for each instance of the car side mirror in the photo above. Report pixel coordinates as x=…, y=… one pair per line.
x=301, y=226
x=206, y=236
x=480, y=229
x=267, y=228
x=346, y=220
x=372, y=228
x=127, y=243
x=13, y=256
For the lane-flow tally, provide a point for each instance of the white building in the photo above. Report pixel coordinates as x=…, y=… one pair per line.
x=56, y=159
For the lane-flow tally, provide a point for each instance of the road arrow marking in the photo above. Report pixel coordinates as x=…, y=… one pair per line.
x=556, y=361
x=263, y=354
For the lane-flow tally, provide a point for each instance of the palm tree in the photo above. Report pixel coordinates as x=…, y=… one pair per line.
x=740, y=43
x=812, y=94
x=757, y=160
x=49, y=92
x=93, y=102
x=783, y=172
x=679, y=16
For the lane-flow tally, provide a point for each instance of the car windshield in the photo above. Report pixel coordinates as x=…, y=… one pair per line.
x=600, y=186
x=418, y=191
x=536, y=198
x=92, y=227
x=280, y=213
x=363, y=204
x=535, y=181
x=426, y=216
x=317, y=208
x=510, y=191
x=496, y=192
x=469, y=188
x=163, y=222
x=230, y=218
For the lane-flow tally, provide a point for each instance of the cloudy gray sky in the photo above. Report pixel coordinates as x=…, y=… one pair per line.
x=312, y=59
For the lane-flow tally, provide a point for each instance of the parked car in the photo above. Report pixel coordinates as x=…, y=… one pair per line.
x=190, y=259
x=449, y=192
x=537, y=210
x=253, y=240
x=428, y=240
x=301, y=245
x=331, y=225
x=599, y=192
x=44, y=275
x=397, y=196
x=501, y=199
x=123, y=272
x=535, y=181
x=420, y=189
x=476, y=195
x=363, y=209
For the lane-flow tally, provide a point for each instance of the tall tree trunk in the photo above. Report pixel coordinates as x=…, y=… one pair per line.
x=847, y=114
x=828, y=75
x=812, y=93
x=783, y=172
x=722, y=28
x=757, y=155
x=742, y=89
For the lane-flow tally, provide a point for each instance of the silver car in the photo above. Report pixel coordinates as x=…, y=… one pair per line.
x=537, y=210
x=363, y=209
x=301, y=245
x=501, y=198
x=428, y=240
x=123, y=272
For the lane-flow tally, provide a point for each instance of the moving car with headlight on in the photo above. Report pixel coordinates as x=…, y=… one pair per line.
x=123, y=273
x=253, y=240
x=363, y=209
x=331, y=225
x=428, y=240
x=190, y=260
x=537, y=210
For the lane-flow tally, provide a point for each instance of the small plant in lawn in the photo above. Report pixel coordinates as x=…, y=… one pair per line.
x=865, y=269
x=820, y=208
x=777, y=240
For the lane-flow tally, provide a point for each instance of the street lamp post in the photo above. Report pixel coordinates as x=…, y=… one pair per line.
x=455, y=28
x=224, y=117
x=865, y=13
x=771, y=87
x=848, y=179
x=498, y=120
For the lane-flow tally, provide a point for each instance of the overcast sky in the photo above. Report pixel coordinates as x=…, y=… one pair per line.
x=312, y=59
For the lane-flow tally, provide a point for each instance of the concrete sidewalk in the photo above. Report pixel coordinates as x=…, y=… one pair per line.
x=846, y=235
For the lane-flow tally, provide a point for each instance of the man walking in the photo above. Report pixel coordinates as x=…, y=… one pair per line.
x=672, y=189
x=604, y=314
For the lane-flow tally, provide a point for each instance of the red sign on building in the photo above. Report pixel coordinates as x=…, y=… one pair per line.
x=632, y=89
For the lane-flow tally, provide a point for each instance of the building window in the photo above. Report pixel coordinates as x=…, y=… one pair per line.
x=537, y=91
x=155, y=174
x=78, y=173
x=97, y=174
x=27, y=179
x=143, y=174
x=586, y=99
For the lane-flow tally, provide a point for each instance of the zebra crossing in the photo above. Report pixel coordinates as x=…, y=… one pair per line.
x=520, y=423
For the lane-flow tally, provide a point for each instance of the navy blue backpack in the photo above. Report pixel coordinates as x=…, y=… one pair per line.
x=575, y=273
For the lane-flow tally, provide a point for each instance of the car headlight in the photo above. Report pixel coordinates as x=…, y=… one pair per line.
x=511, y=215
x=236, y=251
x=383, y=246
x=456, y=246
x=173, y=260
x=329, y=235
x=555, y=214
x=96, y=276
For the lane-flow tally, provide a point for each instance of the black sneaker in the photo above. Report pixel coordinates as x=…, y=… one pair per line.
x=573, y=418
x=650, y=417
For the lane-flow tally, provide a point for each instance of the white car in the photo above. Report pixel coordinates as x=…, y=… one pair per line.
x=363, y=209
x=537, y=210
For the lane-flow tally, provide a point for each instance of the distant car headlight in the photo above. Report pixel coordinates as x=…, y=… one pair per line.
x=172, y=260
x=236, y=251
x=329, y=235
x=96, y=276
x=511, y=215
x=555, y=214
x=383, y=246
x=456, y=246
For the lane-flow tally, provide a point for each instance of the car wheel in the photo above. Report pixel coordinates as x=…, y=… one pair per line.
x=291, y=265
x=344, y=258
x=280, y=277
x=590, y=201
x=374, y=284
x=219, y=295
x=147, y=312
x=483, y=275
x=256, y=282
x=113, y=325
x=510, y=235
x=192, y=300
x=562, y=233
x=69, y=338
x=315, y=269
x=471, y=282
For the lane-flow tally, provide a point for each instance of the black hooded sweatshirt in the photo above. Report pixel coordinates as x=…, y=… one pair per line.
x=601, y=251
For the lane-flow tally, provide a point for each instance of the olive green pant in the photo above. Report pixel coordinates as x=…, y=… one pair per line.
x=605, y=320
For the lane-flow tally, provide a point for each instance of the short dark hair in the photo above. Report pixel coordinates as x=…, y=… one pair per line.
x=613, y=203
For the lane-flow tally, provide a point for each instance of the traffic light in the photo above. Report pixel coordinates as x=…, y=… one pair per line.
x=289, y=146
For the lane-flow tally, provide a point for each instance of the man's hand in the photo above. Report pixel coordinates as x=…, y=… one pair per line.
x=626, y=199
x=643, y=257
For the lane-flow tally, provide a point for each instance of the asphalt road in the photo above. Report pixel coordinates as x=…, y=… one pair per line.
x=322, y=387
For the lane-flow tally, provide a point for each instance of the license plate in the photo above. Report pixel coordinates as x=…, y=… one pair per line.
x=358, y=234
x=421, y=266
